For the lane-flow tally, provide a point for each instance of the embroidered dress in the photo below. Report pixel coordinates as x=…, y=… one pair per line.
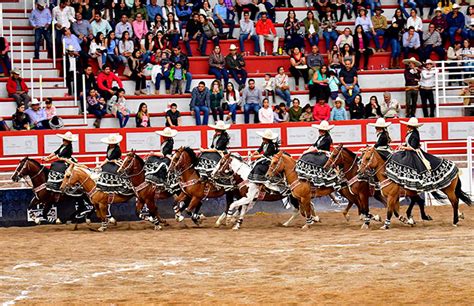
x=156, y=168
x=109, y=180
x=209, y=160
x=382, y=144
x=260, y=167
x=58, y=169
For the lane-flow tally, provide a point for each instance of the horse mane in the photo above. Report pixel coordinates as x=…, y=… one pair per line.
x=351, y=154
x=287, y=154
x=140, y=160
x=192, y=155
x=37, y=163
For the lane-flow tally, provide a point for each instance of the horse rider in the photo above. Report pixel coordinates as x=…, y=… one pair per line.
x=415, y=169
x=157, y=163
x=210, y=157
x=263, y=155
x=382, y=145
x=114, y=153
x=65, y=150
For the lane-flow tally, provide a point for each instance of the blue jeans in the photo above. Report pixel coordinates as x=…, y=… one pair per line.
x=189, y=79
x=378, y=33
x=114, y=60
x=452, y=33
x=248, y=107
x=244, y=37
x=41, y=32
x=174, y=39
x=410, y=3
x=205, y=112
x=122, y=119
x=204, y=40
x=220, y=74
x=313, y=40
x=285, y=95
x=233, y=111
x=350, y=98
x=166, y=76
x=396, y=47
x=239, y=72
x=328, y=36
x=220, y=26
x=187, y=44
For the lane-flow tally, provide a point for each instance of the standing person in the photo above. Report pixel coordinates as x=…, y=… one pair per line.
x=40, y=20
x=119, y=107
x=266, y=31
x=179, y=56
x=314, y=60
x=247, y=31
x=173, y=116
x=389, y=107
x=392, y=38
x=379, y=22
x=209, y=32
x=427, y=84
x=251, y=99
x=236, y=64
x=142, y=119
x=200, y=102
x=177, y=76
x=295, y=110
x=217, y=63
x=311, y=28
x=17, y=89
x=97, y=106
x=282, y=85
x=232, y=100
x=298, y=67
x=412, y=79
x=382, y=145
x=349, y=82
x=221, y=17
x=215, y=99
x=265, y=114
x=193, y=32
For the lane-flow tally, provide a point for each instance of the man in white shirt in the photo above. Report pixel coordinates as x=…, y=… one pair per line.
x=63, y=16
x=247, y=31
x=123, y=26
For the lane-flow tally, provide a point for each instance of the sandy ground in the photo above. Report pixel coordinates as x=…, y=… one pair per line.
x=332, y=263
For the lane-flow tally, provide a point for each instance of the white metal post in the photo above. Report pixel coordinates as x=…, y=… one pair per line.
x=53, y=42
x=26, y=15
x=21, y=57
x=74, y=71
x=437, y=92
x=469, y=162
x=84, y=98
x=41, y=87
x=64, y=62
x=33, y=4
x=11, y=44
x=443, y=76
x=32, y=89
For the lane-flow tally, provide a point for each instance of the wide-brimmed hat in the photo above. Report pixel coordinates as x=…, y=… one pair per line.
x=380, y=123
x=35, y=102
x=68, y=136
x=379, y=9
x=362, y=8
x=428, y=61
x=41, y=3
x=220, y=125
x=112, y=139
x=324, y=125
x=167, y=132
x=438, y=9
x=339, y=99
x=268, y=134
x=15, y=71
x=412, y=122
x=456, y=6
x=411, y=60
x=56, y=123
x=232, y=47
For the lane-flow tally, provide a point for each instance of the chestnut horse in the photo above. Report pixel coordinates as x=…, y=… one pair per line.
x=76, y=174
x=371, y=160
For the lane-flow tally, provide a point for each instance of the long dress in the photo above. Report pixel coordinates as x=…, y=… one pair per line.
x=109, y=180
x=260, y=167
x=311, y=165
x=156, y=167
x=382, y=144
x=407, y=169
x=209, y=160
x=58, y=168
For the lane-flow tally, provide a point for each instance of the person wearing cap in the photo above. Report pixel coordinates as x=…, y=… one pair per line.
x=221, y=17
x=40, y=20
x=209, y=158
x=379, y=23
x=412, y=79
x=456, y=23
x=38, y=117
x=236, y=65
x=440, y=23
x=17, y=89
x=64, y=151
x=410, y=42
x=415, y=169
x=217, y=64
x=268, y=148
x=427, y=85
x=432, y=42
x=382, y=145
x=114, y=153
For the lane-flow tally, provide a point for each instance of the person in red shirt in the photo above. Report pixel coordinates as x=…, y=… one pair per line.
x=266, y=31
x=17, y=89
x=105, y=81
x=321, y=111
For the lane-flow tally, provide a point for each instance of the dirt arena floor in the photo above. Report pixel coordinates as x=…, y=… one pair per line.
x=332, y=263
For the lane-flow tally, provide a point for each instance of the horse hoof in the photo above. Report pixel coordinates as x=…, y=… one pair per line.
x=384, y=227
x=364, y=226
x=305, y=227
x=88, y=221
x=58, y=221
x=151, y=219
x=346, y=216
x=102, y=229
x=411, y=221
x=377, y=218
x=112, y=221
x=361, y=217
x=317, y=219
x=236, y=227
x=217, y=225
x=403, y=219
x=38, y=221
x=158, y=227
x=455, y=225
x=461, y=216
x=179, y=218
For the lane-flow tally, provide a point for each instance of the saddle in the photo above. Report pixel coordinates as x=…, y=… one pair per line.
x=56, y=177
x=110, y=181
x=310, y=168
x=156, y=172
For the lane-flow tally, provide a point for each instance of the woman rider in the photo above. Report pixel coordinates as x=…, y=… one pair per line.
x=264, y=153
x=156, y=165
x=383, y=138
x=114, y=153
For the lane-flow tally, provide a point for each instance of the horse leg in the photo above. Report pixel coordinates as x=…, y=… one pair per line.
x=180, y=205
x=413, y=201
x=247, y=200
x=194, y=205
x=296, y=211
x=454, y=202
x=229, y=198
x=103, y=215
x=391, y=209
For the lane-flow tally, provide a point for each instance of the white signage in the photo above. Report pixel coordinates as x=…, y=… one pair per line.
x=254, y=140
x=393, y=130
x=431, y=131
x=235, y=138
x=93, y=143
x=143, y=141
x=53, y=142
x=304, y=135
x=188, y=139
x=20, y=145
x=347, y=133
x=460, y=130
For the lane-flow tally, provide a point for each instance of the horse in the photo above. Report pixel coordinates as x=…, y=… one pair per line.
x=234, y=165
x=147, y=193
x=302, y=189
x=77, y=175
x=371, y=160
x=38, y=175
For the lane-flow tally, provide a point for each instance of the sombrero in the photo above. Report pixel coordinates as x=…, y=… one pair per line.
x=411, y=60
x=412, y=122
x=68, y=136
x=220, y=125
x=268, y=134
x=112, y=139
x=167, y=132
x=380, y=123
x=324, y=125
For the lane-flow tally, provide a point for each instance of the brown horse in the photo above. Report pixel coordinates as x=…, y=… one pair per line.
x=391, y=191
x=302, y=189
x=76, y=174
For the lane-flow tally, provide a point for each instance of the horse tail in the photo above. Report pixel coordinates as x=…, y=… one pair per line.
x=461, y=194
x=438, y=196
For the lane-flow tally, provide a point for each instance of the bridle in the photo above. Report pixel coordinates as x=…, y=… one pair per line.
x=334, y=160
x=126, y=169
x=175, y=164
x=275, y=167
x=26, y=165
x=365, y=165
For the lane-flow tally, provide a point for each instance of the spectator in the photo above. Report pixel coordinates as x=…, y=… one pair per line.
x=282, y=85
x=159, y=25
x=63, y=16
x=50, y=109
x=456, y=24
x=100, y=25
x=168, y=8
x=37, y=115
x=216, y=97
x=241, y=5
x=152, y=9
x=311, y=28
x=335, y=59
x=392, y=38
x=4, y=49
x=119, y=108
x=139, y=27
x=123, y=26
x=97, y=106
x=200, y=102
x=173, y=31
x=138, y=8
x=247, y=31
x=470, y=22
x=136, y=67
x=467, y=55
x=372, y=109
x=321, y=111
x=268, y=86
x=173, y=116
x=361, y=47
x=142, y=119
x=265, y=114
x=298, y=67
x=183, y=11
x=112, y=51
x=329, y=26
x=349, y=82
x=98, y=50
x=338, y=112
x=177, y=77
x=266, y=31
x=357, y=109
x=347, y=53
x=307, y=115
x=333, y=83
x=292, y=26
x=412, y=78
x=410, y=42
x=105, y=81
x=319, y=85
x=389, y=107
x=379, y=23
x=314, y=60
x=454, y=54
x=440, y=23
x=232, y=101
x=90, y=82
x=217, y=63
x=126, y=48
x=17, y=89
x=120, y=10
x=345, y=38
x=427, y=84
x=193, y=32
x=251, y=99
x=208, y=31
x=236, y=65
x=281, y=115
x=207, y=11
x=221, y=17
x=82, y=29
x=20, y=120
x=410, y=3
x=179, y=56
x=295, y=111
x=40, y=20
x=367, y=26
x=415, y=22
x=432, y=42
x=322, y=6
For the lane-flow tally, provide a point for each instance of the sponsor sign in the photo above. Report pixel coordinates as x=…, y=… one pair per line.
x=143, y=141
x=254, y=140
x=20, y=145
x=235, y=138
x=93, y=143
x=460, y=130
x=53, y=142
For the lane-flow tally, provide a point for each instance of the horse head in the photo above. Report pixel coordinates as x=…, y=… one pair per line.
x=27, y=167
x=369, y=160
x=175, y=159
x=223, y=167
x=131, y=164
x=276, y=165
x=20, y=170
x=335, y=158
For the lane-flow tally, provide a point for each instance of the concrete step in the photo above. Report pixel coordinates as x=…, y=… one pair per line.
x=43, y=63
